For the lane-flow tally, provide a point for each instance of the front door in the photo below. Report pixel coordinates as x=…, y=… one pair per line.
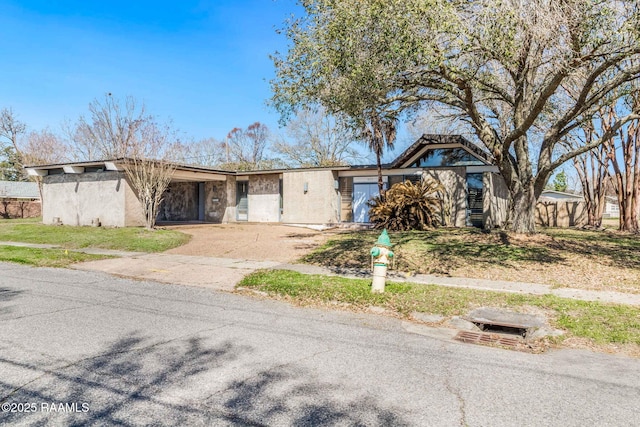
x=362, y=193
x=242, y=201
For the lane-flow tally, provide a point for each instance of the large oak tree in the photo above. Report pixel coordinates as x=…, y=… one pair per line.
x=522, y=74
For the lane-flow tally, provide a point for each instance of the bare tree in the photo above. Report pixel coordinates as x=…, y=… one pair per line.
x=10, y=127
x=246, y=147
x=592, y=170
x=148, y=169
x=10, y=130
x=118, y=129
x=623, y=153
x=319, y=139
x=42, y=148
x=110, y=131
x=205, y=152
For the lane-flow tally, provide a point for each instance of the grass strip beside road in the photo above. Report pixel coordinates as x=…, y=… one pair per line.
x=126, y=239
x=44, y=257
x=597, y=322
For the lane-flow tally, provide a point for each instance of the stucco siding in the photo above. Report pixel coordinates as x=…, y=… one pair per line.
x=78, y=199
x=454, y=186
x=560, y=213
x=133, y=216
x=318, y=205
x=495, y=201
x=264, y=198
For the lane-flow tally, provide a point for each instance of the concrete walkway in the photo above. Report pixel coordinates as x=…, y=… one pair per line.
x=225, y=273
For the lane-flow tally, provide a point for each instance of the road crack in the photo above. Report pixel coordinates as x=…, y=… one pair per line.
x=451, y=388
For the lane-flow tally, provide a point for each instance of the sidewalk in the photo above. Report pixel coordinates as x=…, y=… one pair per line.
x=225, y=273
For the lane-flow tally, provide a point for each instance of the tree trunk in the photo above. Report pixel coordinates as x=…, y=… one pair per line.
x=523, y=211
x=380, y=181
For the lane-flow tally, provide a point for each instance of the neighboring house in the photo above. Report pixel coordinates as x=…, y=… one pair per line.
x=83, y=193
x=561, y=195
x=19, y=199
x=611, y=207
x=560, y=209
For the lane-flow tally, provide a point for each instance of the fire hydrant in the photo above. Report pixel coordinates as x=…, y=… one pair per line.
x=381, y=256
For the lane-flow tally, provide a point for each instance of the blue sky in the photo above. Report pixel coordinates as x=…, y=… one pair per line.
x=203, y=63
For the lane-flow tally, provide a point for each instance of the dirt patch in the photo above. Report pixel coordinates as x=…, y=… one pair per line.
x=269, y=242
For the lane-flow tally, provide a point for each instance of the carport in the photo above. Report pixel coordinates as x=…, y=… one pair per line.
x=196, y=195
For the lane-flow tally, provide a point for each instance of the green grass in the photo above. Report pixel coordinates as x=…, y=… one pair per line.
x=433, y=251
x=44, y=257
x=601, y=323
x=127, y=238
x=560, y=257
x=20, y=220
x=619, y=248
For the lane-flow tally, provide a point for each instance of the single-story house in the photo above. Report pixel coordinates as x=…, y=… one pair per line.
x=98, y=191
x=19, y=199
x=561, y=209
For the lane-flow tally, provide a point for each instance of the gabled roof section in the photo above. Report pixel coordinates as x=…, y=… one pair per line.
x=19, y=190
x=432, y=141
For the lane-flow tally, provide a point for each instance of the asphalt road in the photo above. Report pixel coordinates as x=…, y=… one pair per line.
x=83, y=348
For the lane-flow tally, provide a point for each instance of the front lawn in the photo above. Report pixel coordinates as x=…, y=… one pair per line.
x=44, y=257
x=559, y=257
x=596, y=323
x=127, y=239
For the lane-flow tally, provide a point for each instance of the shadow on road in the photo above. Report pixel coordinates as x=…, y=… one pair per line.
x=136, y=381
x=288, y=396
x=6, y=295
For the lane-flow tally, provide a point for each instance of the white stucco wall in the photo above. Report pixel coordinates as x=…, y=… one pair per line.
x=495, y=201
x=133, y=216
x=77, y=199
x=264, y=198
x=319, y=205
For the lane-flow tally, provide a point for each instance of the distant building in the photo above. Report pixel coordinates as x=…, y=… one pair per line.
x=611, y=207
x=19, y=199
x=560, y=195
x=561, y=209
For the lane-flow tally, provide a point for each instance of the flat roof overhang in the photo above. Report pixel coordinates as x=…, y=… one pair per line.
x=188, y=176
x=181, y=173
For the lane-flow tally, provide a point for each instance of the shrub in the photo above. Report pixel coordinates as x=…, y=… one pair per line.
x=407, y=206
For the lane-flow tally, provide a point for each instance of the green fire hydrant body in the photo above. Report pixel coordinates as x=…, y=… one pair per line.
x=381, y=256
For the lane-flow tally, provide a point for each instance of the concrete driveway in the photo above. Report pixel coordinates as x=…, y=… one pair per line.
x=218, y=256
x=270, y=242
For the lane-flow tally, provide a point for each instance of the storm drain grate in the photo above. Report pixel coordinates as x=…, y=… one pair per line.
x=487, y=339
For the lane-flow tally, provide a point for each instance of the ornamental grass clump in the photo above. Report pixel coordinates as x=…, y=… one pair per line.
x=407, y=206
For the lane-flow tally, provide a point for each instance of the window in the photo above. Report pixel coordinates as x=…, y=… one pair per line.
x=474, y=199
x=439, y=157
